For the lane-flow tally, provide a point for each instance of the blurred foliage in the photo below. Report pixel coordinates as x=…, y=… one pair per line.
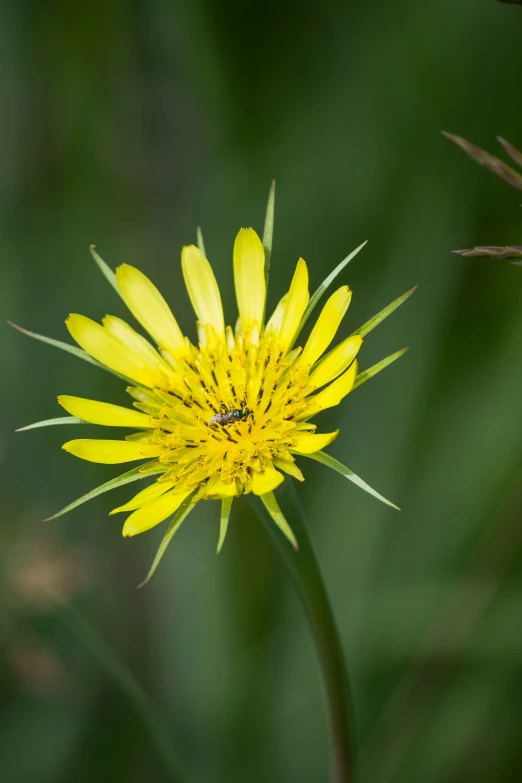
x=509, y=175
x=127, y=124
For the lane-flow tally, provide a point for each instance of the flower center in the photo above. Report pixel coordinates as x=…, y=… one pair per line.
x=228, y=413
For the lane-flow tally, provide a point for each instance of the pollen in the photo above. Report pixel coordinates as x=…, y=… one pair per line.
x=241, y=374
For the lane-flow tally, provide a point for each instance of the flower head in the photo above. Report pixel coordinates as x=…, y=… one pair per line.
x=225, y=416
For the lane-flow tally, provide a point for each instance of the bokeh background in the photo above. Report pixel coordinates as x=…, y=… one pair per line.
x=127, y=124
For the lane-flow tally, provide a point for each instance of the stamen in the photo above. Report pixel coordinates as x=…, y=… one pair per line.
x=249, y=372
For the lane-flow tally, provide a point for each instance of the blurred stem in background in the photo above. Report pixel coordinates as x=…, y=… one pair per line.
x=474, y=590
x=304, y=571
x=505, y=172
x=123, y=677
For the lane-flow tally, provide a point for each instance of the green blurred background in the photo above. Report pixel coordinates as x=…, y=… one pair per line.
x=127, y=124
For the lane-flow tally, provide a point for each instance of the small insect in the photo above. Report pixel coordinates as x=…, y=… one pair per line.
x=230, y=417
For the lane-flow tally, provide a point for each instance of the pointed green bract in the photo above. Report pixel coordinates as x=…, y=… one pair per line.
x=200, y=242
x=152, y=468
x=376, y=368
x=105, y=268
x=175, y=523
x=226, y=505
x=268, y=232
x=377, y=319
x=52, y=422
x=277, y=515
x=79, y=352
x=314, y=299
x=330, y=462
x=119, y=481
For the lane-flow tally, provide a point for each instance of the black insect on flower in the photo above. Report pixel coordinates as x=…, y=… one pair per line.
x=230, y=416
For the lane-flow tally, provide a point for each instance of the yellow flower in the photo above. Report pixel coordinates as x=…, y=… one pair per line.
x=228, y=415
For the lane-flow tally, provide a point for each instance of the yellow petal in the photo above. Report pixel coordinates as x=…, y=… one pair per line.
x=334, y=393
x=219, y=489
x=308, y=444
x=226, y=506
x=149, y=308
x=231, y=340
x=203, y=289
x=295, y=306
x=135, y=342
x=145, y=496
x=94, y=339
x=336, y=361
x=276, y=319
x=154, y=512
x=104, y=413
x=266, y=481
x=111, y=452
x=290, y=468
x=249, y=277
x=326, y=326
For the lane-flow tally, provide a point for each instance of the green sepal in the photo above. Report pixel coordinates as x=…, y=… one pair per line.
x=105, y=269
x=330, y=462
x=200, y=242
x=119, y=481
x=147, y=396
x=314, y=299
x=151, y=468
x=277, y=515
x=377, y=319
x=226, y=505
x=79, y=352
x=268, y=231
x=52, y=422
x=376, y=368
x=175, y=523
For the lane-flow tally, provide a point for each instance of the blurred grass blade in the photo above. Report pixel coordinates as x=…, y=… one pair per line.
x=159, y=735
x=512, y=151
x=377, y=319
x=376, y=368
x=79, y=352
x=490, y=251
x=226, y=505
x=268, y=232
x=52, y=422
x=119, y=481
x=175, y=524
x=490, y=162
x=314, y=299
x=105, y=268
x=330, y=462
x=200, y=242
x=277, y=515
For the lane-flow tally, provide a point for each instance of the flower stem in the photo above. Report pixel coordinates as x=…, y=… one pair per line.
x=304, y=570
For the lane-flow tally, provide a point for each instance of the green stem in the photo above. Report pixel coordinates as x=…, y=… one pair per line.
x=125, y=679
x=305, y=573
